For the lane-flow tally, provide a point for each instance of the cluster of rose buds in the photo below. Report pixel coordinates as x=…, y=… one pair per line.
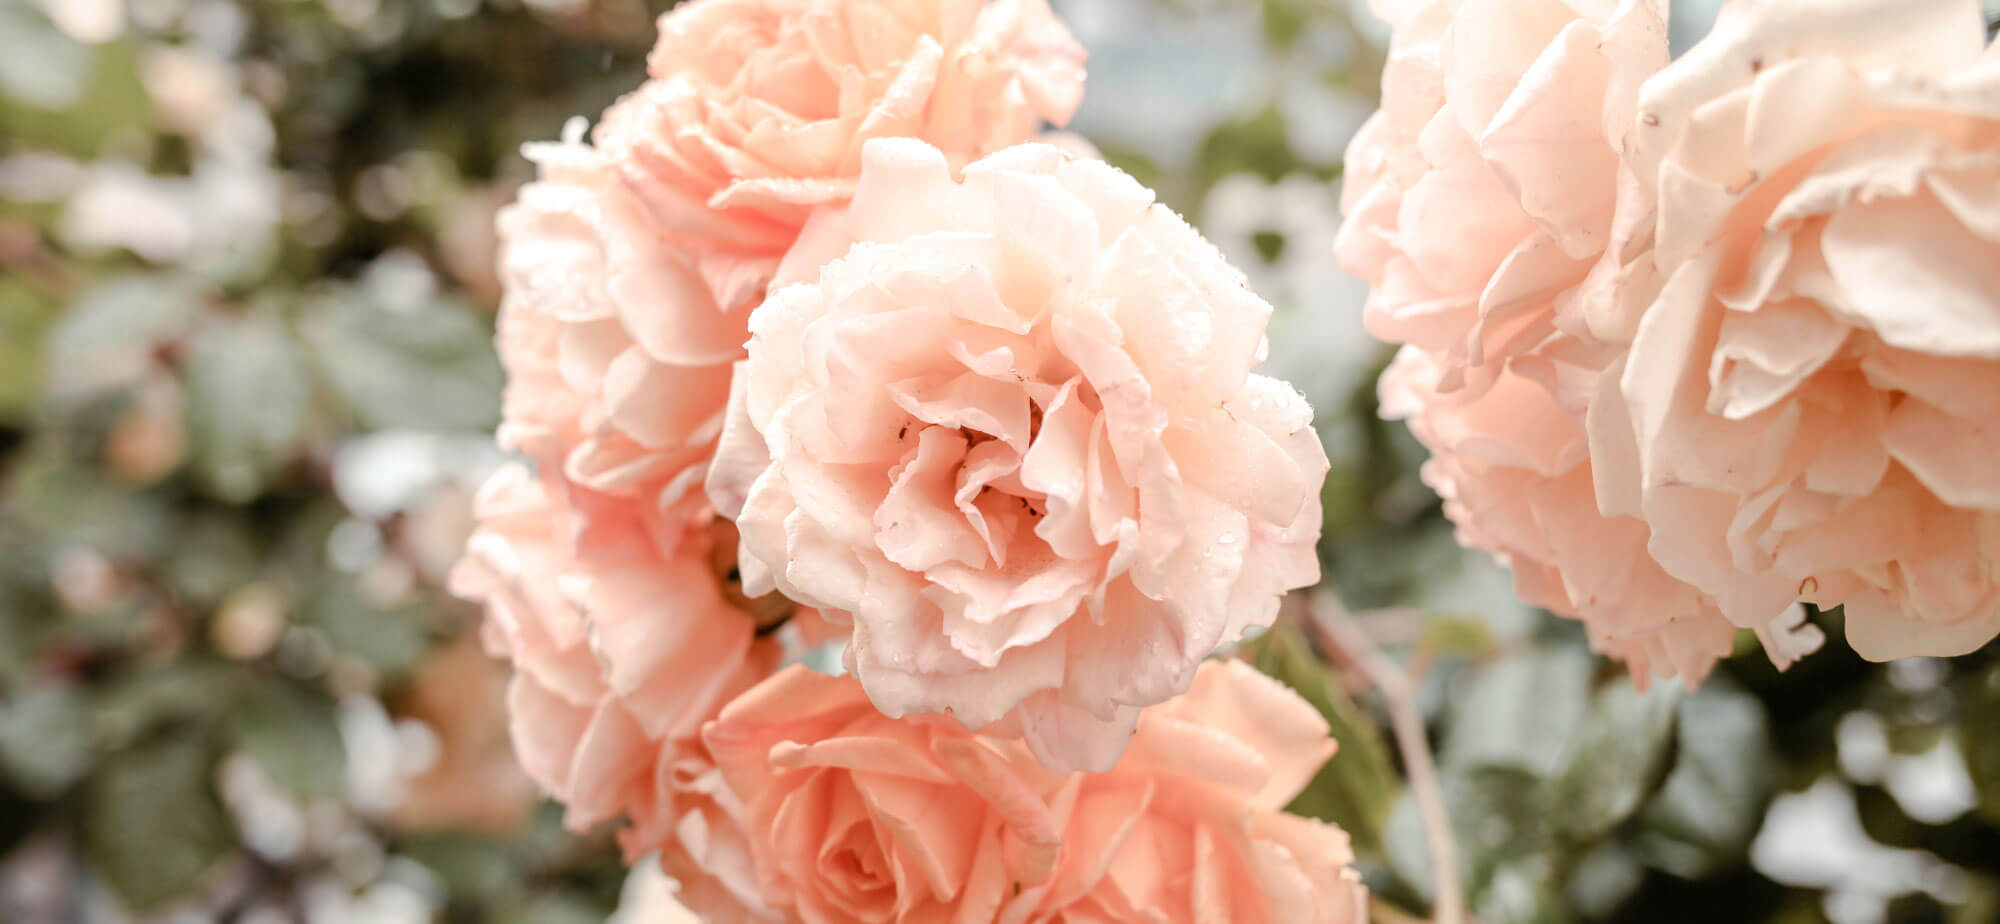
x=811, y=340
x=1694, y=342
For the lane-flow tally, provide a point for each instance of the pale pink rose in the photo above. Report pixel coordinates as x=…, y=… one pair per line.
x=1486, y=188
x=1513, y=467
x=1007, y=427
x=1815, y=391
x=617, y=358
x=856, y=816
x=758, y=110
x=1190, y=827
x=1489, y=208
x=621, y=650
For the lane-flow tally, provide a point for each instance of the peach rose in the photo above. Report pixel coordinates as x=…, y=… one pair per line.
x=1513, y=467
x=1486, y=188
x=1814, y=394
x=854, y=816
x=1190, y=827
x=618, y=360
x=1491, y=210
x=758, y=110
x=1011, y=434
x=860, y=817
x=619, y=655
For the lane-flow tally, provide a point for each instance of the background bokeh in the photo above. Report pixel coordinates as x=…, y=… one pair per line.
x=246, y=390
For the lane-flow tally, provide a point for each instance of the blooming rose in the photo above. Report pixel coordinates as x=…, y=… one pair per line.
x=620, y=653
x=1815, y=391
x=1512, y=466
x=1011, y=434
x=1489, y=207
x=856, y=816
x=617, y=358
x=1190, y=827
x=758, y=110
x=1486, y=188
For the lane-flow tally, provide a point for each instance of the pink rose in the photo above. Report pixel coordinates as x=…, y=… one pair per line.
x=1814, y=394
x=1190, y=827
x=1512, y=466
x=618, y=360
x=1490, y=208
x=1007, y=428
x=854, y=816
x=859, y=817
x=758, y=110
x=620, y=652
x=1487, y=187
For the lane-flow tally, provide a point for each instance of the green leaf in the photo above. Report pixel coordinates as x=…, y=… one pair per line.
x=555, y=908
x=1516, y=710
x=1521, y=890
x=71, y=504
x=44, y=739
x=1602, y=880
x=25, y=317
x=1713, y=799
x=431, y=368
x=390, y=638
x=1284, y=21
x=117, y=319
x=63, y=95
x=1464, y=636
x=1498, y=817
x=474, y=867
x=293, y=734
x=1979, y=905
x=132, y=705
x=247, y=401
x=151, y=824
x=1618, y=757
x=1256, y=144
x=44, y=67
x=218, y=553
x=1979, y=739
x=27, y=613
x=1357, y=787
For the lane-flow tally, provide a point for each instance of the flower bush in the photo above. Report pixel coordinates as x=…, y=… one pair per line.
x=249, y=269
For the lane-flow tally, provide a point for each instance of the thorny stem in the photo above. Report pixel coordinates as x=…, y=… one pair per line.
x=1341, y=634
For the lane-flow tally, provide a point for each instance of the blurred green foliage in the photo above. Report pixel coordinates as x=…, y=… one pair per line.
x=237, y=241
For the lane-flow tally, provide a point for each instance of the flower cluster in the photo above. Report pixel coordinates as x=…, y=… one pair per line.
x=810, y=341
x=1694, y=342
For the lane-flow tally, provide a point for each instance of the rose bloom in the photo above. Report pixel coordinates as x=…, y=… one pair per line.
x=1512, y=465
x=630, y=266
x=620, y=652
x=1486, y=188
x=1815, y=390
x=1489, y=208
x=617, y=358
x=1007, y=428
x=758, y=110
x=856, y=816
